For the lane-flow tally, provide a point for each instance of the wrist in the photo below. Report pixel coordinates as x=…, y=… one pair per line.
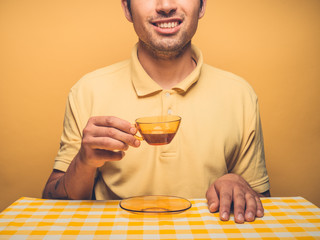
x=82, y=162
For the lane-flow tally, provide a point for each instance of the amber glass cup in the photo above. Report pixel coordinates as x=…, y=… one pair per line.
x=158, y=130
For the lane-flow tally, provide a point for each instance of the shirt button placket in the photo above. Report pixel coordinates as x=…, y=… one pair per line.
x=167, y=102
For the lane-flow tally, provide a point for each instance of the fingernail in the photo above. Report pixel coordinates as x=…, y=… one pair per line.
x=137, y=143
x=240, y=217
x=224, y=216
x=259, y=213
x=133, y=130
x=211, y=207
x=250, y=216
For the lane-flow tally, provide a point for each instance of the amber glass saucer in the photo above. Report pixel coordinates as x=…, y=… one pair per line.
x=155, y=204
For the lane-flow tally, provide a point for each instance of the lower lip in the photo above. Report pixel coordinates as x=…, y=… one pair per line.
x=167, y=31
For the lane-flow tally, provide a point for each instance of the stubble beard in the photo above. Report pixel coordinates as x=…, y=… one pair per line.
x=163, y=51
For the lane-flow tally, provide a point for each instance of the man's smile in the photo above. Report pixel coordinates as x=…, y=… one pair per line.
x=167, y=26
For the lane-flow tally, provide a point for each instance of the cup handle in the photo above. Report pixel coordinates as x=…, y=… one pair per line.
x=136, y=136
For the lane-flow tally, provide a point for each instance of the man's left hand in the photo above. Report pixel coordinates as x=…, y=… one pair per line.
x=232, y=188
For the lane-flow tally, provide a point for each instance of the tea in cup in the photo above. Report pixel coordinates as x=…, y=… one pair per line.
x=158, y=130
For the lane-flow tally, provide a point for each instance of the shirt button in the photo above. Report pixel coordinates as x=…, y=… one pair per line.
x=169, y=111
x=167, y=94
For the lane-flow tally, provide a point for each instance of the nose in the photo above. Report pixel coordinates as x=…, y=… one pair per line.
x=166, y=7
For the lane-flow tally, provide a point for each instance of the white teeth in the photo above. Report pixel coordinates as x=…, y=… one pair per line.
x=167, y=25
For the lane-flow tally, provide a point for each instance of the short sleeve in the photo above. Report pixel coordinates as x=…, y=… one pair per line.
x=70, y=138
x=250, y=163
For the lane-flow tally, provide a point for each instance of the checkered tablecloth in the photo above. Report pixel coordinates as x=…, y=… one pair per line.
x=29, y=218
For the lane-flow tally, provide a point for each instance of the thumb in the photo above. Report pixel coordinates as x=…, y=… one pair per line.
x=212, y=199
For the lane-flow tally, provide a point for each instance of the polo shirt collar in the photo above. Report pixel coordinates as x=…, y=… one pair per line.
x=144, y=85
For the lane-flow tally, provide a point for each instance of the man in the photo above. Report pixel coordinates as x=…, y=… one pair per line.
x=218, y=150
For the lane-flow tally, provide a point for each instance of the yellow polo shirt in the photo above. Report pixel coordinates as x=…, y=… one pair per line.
x=220, y=130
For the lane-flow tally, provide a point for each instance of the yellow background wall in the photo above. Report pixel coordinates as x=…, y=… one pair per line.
x=46, y=46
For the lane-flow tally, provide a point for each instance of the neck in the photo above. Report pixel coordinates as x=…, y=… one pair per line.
x=166, y=68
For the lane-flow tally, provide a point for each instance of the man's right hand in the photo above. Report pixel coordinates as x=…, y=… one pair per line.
x=105, y=138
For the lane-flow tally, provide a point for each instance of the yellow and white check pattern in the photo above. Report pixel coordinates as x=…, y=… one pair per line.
x=29, y=218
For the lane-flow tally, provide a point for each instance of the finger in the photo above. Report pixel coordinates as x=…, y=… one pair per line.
x=105, y=143
x=114, y=133
x=110, y=121
x=260, y=209
x=212, y=199
x=251, y=207
x=225, y=203
x=104, y=155
x=239, y=205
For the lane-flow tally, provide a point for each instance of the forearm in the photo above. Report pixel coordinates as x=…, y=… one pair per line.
x=76, y=183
